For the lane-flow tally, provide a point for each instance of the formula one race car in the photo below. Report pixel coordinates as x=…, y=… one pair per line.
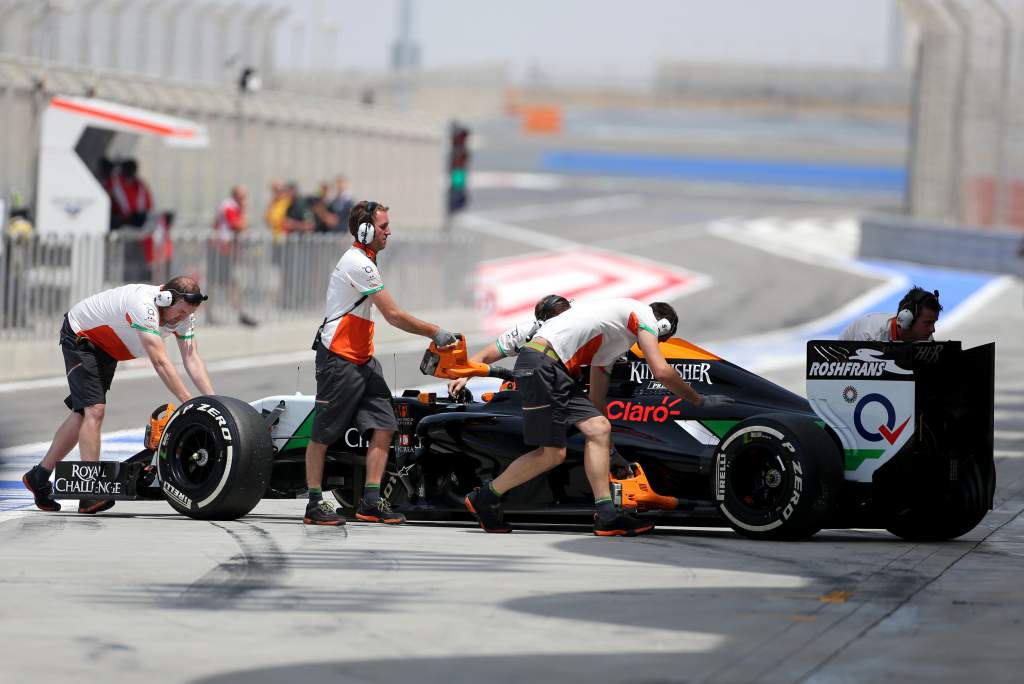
x=894, y=436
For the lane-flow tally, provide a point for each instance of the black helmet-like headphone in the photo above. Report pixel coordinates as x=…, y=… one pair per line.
x=165, y=298
x=366, y=232
x=910, y=306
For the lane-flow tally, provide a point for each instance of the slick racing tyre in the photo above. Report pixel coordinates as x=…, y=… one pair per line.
x=215, y=458
x=777, y=476
x=960, y=512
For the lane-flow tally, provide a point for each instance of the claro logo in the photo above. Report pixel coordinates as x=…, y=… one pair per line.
x=639, y=413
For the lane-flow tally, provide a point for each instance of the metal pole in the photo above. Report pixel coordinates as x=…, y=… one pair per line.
x=116, y=10
x=1002, y=115
x=146, y=13
x=270, y=25
x=175, y=10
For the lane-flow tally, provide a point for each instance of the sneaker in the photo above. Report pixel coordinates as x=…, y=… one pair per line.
x=91, y=506
x=322, y=513
x=379, y=512
x=488, y=515
x=621, y=526
x=41, y=489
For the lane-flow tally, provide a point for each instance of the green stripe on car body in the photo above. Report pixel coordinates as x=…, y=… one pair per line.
x=719, y=427
x=855, y=457
x=301, y=436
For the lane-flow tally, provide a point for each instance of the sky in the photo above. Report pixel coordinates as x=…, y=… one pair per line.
x=611, y=37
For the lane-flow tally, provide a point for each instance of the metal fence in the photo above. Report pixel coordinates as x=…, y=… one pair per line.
x=966, y=161
x=41, y=277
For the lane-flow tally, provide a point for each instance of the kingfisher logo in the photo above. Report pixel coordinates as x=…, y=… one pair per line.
x=887, y=430
x=860, y=364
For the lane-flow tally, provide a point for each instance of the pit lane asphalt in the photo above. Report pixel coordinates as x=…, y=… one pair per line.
x=139, y=593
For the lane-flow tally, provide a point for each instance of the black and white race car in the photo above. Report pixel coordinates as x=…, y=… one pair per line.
x=891, y=436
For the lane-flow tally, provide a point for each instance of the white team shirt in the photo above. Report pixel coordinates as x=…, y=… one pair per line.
x=512, y=340
x=355, y=276
x=597, y=333
x=874, y=326
x=878, y=327
x=113, y=320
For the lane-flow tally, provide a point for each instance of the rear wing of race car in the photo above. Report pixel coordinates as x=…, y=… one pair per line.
x=908, y=415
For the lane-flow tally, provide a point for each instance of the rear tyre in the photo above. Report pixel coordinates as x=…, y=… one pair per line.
x=777, y=477
x=215, y=458
x=965, y=507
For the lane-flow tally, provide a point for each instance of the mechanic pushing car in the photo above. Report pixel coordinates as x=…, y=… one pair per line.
x=510, y=342
x=915, y=320
x=591, y=334
x=350, y=387
x=116, y=325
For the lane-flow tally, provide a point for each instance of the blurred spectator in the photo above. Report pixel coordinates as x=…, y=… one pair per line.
x=340, y=201
x=276, y=209
x=232, y=221
x=130, y=198
x=325, y=221
x=299, y=217
x=19, y=224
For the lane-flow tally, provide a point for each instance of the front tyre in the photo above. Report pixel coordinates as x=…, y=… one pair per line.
x=777, y=476
x=215, y=458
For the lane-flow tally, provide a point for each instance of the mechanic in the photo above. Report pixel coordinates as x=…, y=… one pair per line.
x=350, y=387
x=595, y=334
x=914, y=321
x=512, y=340
x=116, y=325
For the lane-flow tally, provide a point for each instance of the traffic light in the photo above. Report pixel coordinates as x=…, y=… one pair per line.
x=458, y=165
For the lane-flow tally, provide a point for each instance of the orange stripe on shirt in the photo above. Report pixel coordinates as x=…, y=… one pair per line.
x=584, y=355
x=106, y=339
x=353, y=339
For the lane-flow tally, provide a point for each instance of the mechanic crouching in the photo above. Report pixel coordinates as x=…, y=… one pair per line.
x=595, y=334
x=510, y=342
x=116, y=325
x=350, y=387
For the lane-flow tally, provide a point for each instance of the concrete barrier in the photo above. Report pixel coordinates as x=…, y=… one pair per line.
x=900, y=238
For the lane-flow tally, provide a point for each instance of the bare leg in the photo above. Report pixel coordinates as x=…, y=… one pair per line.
x=64, y=440
x=90, y=431
x=527, y=467
x=597, y=453
x=315, y=455
x=377, y=455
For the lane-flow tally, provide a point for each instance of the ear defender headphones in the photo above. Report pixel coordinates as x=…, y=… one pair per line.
x=665, y=327
x=910, y=307
x=165, y=298
x=366, y=232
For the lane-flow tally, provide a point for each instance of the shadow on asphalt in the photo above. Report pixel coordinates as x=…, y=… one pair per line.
x=617, y=667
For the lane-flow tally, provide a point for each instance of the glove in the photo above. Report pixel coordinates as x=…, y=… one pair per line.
x=717, y=401
x=443, y=338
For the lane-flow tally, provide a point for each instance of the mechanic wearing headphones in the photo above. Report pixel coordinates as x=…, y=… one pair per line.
x=595, y=334
x=116, y=325
x=512, y=340
x=914, y=320
x=350, y=387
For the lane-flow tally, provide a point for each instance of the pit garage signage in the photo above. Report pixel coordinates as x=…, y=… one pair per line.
x=866, y=396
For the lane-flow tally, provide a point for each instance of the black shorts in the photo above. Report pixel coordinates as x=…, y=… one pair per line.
x=552, y=401
x=90, y=369
x=349, y=395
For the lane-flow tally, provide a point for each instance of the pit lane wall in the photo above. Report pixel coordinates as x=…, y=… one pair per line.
x=901, y=238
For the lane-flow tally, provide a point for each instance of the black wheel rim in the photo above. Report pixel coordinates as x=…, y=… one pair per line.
x=195, y=458
x=759, y=480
